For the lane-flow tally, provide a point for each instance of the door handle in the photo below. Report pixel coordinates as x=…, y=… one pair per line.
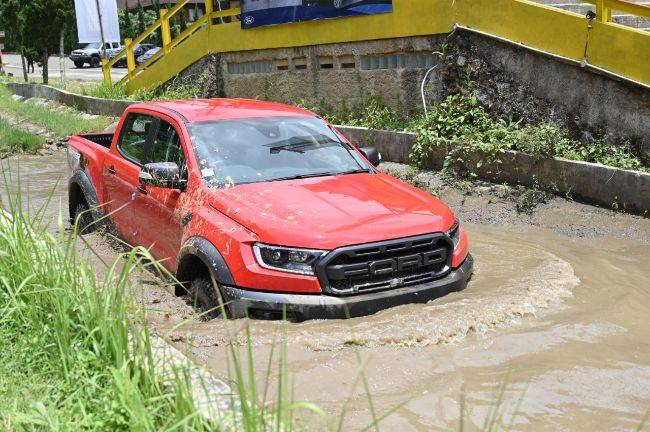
x=141, y=189
x=111, y=170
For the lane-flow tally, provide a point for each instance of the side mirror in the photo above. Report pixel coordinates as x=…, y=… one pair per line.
x=163, y=175
x=371, y=154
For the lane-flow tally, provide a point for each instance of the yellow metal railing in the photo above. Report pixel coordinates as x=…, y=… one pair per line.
x=604, y=9
x=168, y=44
x=567, y=35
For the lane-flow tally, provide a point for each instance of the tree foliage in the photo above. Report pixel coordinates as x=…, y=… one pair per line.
x=36, y=25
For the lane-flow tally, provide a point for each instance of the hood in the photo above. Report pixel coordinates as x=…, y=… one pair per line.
x=330, y=212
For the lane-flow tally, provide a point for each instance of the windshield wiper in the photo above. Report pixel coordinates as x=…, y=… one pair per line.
x=299, y=144
x=322, y=174
x=355, y=171
x=304, y=176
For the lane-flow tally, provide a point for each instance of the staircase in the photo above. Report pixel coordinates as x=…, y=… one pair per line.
x=622, y=18
x=615, y=42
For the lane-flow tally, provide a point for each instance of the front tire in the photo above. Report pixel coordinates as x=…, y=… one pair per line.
x=78, y=64
x=206, y=297
x=95, y=62
x=83, y=219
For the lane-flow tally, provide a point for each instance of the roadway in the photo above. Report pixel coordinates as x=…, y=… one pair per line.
x=86, y=73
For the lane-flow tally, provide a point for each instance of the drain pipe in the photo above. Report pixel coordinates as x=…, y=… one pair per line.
x=424, y=81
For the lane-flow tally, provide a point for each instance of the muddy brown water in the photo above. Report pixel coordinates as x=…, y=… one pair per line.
x=559, y=304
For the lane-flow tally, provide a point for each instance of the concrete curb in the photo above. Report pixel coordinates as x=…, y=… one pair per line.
x=89, y=104
x=588, y=182
x=212, y=397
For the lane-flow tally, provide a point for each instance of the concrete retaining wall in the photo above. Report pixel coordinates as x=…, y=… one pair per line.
x=89, y=104
x=510, y=81
x=588, y=182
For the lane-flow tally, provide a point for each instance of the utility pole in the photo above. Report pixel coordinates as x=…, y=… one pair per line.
x=101, y=28
x=62, y=57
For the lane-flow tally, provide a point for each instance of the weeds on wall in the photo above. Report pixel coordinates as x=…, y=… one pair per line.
x=460, y=119
x=463, y=127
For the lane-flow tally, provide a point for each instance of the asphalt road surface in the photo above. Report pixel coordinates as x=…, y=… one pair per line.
x=86, y=73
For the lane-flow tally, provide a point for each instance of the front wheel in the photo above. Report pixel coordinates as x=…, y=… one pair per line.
x=83, y=219
x=78, y=64
x=95, y=62
x=206, y=297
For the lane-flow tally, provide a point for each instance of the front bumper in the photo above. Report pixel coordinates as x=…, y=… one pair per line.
x=80, y=57
x=300, y=307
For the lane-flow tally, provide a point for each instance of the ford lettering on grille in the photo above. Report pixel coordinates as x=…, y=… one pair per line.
x=385, y=265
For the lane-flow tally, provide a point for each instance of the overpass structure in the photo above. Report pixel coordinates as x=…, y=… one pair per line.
x=605, y=41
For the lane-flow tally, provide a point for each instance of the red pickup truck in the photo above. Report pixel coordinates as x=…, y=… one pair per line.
x=269, y=202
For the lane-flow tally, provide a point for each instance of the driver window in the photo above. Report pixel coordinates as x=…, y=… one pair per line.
x=134, y=137
x=167, y=147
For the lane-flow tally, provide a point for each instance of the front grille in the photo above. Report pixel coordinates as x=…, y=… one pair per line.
x=385, y=265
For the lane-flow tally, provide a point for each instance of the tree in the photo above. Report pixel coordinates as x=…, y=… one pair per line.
x=182, y=20
x=39, y=25
x=127, y=24
x=141, y=18
x=196, y=11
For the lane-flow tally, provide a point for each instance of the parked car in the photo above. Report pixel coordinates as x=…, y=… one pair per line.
x=92, y=53
x=147, y=55
x=138, y=51
x=265, y=209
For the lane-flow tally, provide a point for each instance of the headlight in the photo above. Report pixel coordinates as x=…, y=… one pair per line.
x=292, y=260
x=454, y=232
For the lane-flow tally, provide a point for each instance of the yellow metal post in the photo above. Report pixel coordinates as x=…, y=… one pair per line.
x=166, y=32
x=107, y=72
x=208, y=7
x=130, y=57
x=603, y=13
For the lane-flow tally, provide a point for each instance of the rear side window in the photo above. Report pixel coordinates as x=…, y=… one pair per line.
x=133, y=140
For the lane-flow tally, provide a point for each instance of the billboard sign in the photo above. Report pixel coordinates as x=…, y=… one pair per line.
x=256, y=13
x=88, y=20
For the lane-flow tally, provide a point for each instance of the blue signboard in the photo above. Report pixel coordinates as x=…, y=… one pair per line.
x=257, y=13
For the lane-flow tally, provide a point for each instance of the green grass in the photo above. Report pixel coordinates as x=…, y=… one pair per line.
x=76, y=352
x=100, y=90
x=61, y=122
x=13, y=139
x=69, y=362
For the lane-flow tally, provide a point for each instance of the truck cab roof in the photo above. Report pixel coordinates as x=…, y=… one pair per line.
x=200, y=110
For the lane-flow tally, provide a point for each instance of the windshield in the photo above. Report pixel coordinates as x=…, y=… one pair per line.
x=93, y=45
x=269, y=149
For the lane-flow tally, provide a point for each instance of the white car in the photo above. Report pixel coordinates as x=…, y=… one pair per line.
x=92, y=53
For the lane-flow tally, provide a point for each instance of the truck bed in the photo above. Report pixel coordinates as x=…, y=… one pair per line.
x=103, y=139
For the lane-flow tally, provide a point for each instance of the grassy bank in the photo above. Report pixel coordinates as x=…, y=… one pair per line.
x=13, y=140
x=76, y=351
x=101, y=90
x=61, y=122
x=69, y=362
